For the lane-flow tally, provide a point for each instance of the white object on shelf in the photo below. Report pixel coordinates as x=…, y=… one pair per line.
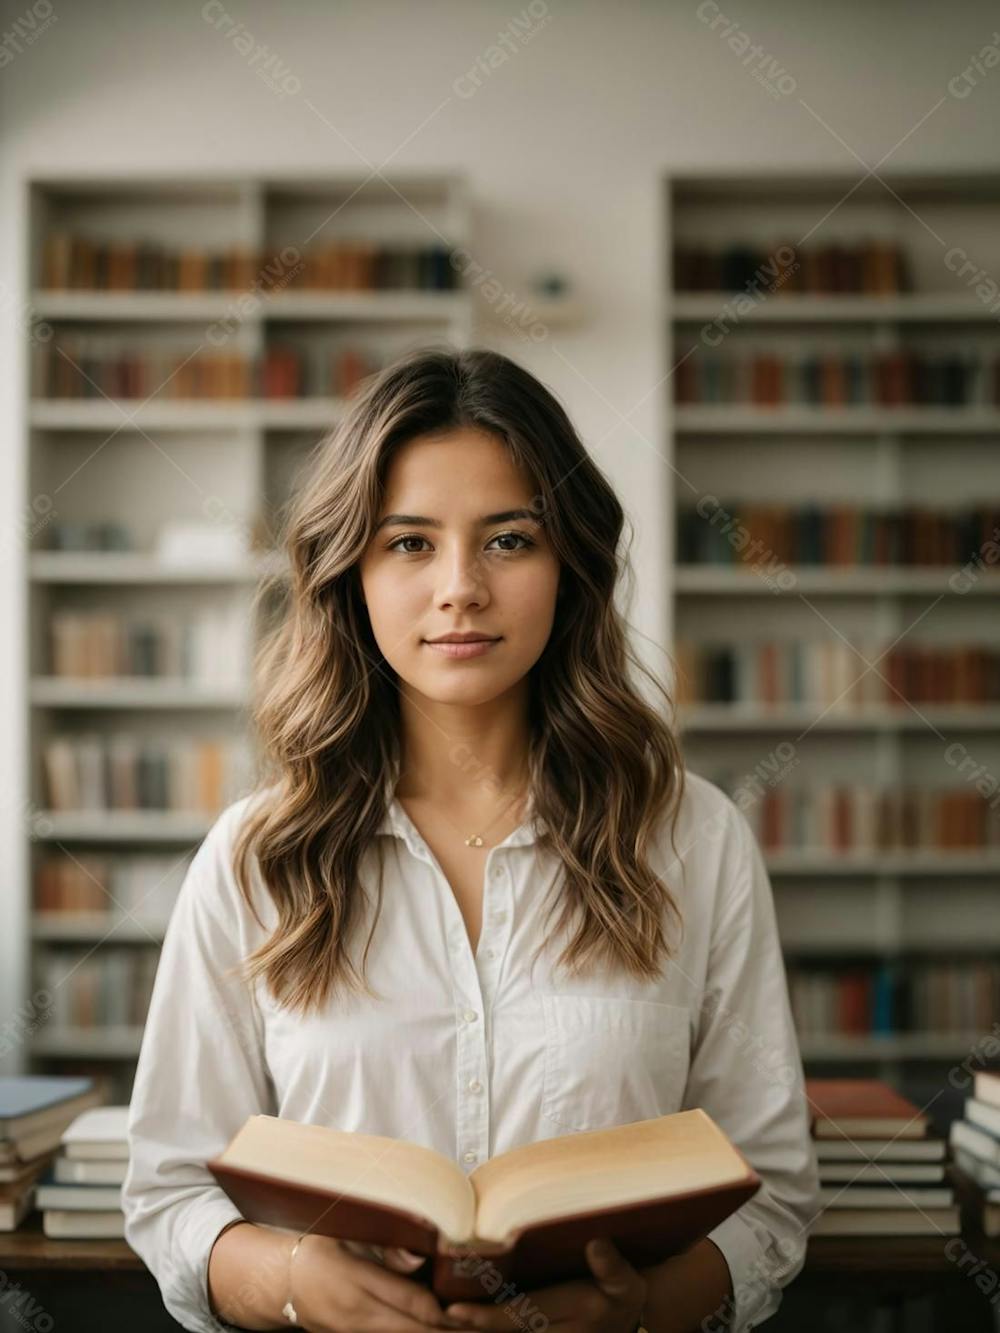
x=181, y=542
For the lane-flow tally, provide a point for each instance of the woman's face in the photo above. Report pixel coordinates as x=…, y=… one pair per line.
x=452, y=565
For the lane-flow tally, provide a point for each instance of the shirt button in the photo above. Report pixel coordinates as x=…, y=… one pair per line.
x=474, y=1085
x=488, y=953
x=470, y=1015
x=469, y=1156
x=498, y=872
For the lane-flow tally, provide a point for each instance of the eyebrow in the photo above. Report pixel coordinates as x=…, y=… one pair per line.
x=418, y=520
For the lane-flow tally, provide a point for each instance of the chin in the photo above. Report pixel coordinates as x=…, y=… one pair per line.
x=469, y=693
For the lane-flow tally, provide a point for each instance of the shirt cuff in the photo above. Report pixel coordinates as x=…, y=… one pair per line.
x=185, y=1286
x=755, y=1297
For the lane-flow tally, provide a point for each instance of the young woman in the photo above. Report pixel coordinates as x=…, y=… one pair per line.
x=476, y=901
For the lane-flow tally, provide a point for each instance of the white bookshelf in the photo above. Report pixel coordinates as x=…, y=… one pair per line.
x=144, y=461
x=884, y=905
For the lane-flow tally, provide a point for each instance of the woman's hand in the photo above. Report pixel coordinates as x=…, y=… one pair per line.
x=611, y=1302
x=352, y=1287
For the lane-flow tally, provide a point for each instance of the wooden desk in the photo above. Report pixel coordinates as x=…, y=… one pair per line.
x=89, y=1286
x=895, y=1254
x=918, y=1281
x=29, y=1248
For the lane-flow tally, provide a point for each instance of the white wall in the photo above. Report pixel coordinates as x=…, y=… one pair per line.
x=565, y=142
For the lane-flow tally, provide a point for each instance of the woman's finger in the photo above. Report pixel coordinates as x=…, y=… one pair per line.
x=401, y=1260
x=612, y=1272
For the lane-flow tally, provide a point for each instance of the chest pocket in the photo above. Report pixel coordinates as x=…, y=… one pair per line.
x=609, y=1061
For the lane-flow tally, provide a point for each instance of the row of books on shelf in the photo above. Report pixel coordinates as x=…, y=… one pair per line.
x=836, y=379
x=871, y=266
x=97, y=988
x=85, y=263
x=882, y=1168
x=96, y=772
x=730, y=533
x=894, y=996
x=95, y=366
x=862, y=817
x=143, y=886
x=62, y=1153
x=833, y=673
x=208, y=645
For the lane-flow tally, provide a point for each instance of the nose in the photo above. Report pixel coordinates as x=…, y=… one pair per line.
x=463, y=580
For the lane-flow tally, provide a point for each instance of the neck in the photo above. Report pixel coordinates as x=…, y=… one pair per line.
x=466, y=757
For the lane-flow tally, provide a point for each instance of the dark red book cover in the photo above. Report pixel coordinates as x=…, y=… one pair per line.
x=544, y=1253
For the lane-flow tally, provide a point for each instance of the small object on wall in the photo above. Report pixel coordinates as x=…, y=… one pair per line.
x=551, y=285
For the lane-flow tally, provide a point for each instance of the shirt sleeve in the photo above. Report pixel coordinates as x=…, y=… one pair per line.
x=746, y=1072
x=200, y=1074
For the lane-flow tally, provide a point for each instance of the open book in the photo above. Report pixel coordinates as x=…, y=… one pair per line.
x=653, y=1187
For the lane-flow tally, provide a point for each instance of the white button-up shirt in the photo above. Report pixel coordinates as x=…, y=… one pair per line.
x=472, y=1053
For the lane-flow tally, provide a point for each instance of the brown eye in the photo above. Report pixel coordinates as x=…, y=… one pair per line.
x=519, y=536
x=408, y=537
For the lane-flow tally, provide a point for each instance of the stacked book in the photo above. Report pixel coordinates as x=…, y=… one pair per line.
x=881, y=1172
x=80, y=1192
x=34, y=1112
x=975, y=1146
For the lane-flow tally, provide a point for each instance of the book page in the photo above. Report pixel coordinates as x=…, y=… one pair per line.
x=645, y=1160
x=366, y=1166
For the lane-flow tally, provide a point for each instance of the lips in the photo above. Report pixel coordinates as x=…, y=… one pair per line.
x=466, y=638
x=460, y=648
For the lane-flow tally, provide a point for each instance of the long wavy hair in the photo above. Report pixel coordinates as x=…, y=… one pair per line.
x=604, y=765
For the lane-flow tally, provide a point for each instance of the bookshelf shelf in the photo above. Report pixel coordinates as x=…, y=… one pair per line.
x=103, y=414
x=562, y=312
x=155, y=307
x=749, y=420
x=892, y=1046
x=734, y=717
x=100, y=306
x=146, y=311
x=819, y=863
x=111, y=1043
x=801, y=308
x=111, y=567
x=869, y=949
x=421, y=306
x=296, y=414
x=805, y=351
x=80, y=927
x=861, y=581
x=125, y=692
x=141, y=827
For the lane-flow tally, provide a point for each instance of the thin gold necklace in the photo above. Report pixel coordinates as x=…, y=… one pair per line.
x=476, y=839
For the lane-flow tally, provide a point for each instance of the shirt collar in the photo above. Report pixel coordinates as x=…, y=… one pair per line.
x=396, y=821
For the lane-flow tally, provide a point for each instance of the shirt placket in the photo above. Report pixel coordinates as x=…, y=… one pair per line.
x=475, y=982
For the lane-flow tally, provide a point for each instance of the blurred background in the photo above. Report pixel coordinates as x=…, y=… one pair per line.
x=756, y=254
